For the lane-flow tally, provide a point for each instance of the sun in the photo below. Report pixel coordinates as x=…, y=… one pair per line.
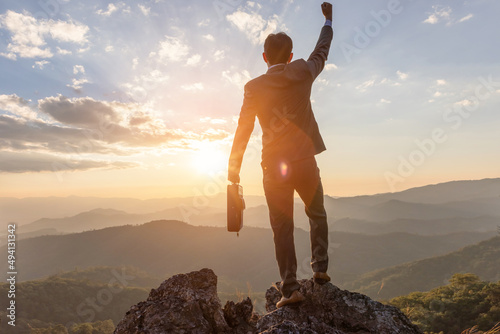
x=209, y=158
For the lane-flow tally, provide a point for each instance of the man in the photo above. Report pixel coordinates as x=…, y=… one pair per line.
x=281, y=101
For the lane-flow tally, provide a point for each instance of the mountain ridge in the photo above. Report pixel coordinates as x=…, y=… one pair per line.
x=29, y=209
x=482, y=259
x=168, y=247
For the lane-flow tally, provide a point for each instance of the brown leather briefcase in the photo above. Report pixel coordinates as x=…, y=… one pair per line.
x=235, y=207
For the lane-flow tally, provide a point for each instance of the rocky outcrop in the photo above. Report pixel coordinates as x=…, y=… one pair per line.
x=327, y=309
x=188, y=303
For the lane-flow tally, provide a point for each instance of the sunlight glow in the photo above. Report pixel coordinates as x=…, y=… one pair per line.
x=209, y=158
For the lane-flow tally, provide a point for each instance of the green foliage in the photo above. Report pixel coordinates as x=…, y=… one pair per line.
x=103, y=274
x=465, y=302
x=98, y=327
x=482, y=259
x=56, y=305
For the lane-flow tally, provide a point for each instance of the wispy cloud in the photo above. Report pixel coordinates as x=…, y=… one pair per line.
x=219, y=55
x=365, y=85
x=444, y=14
x=466, y=18
x=41, y=64
x=144, y=10
x=110, y=10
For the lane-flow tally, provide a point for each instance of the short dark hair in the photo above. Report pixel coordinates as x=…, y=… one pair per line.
x=278, y=48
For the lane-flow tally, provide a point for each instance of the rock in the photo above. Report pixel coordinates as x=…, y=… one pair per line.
x=185, y=303
x=188, y=303
x=327, y=309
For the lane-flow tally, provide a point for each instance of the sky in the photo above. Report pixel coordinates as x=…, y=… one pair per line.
x=141, y=98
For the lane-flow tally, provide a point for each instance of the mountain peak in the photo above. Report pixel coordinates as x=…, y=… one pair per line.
x=104, y=212
x=189, y=303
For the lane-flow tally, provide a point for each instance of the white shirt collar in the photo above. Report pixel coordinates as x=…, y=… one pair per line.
x=275, y=66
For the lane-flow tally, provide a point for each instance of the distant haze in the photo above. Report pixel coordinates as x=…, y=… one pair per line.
x=141, y=98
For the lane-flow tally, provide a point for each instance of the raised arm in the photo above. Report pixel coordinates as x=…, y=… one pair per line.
x=318, y=57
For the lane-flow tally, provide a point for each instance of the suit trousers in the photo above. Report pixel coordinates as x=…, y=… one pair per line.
x=280, y=182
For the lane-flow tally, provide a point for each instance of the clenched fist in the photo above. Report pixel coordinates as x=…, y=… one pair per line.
x=327, y=9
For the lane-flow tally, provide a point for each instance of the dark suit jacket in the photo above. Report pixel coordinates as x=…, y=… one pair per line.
x=281, y=101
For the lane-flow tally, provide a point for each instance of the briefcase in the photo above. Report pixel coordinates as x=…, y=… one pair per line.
x=235, y=207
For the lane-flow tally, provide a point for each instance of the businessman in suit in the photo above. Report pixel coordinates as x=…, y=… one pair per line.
x=280, y=99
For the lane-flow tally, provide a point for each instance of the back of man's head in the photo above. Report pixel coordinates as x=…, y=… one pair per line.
x=278, y=48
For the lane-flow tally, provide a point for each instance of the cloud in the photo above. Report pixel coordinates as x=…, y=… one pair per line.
x=40, y=64
x=82, y=111
x=331, y=66
x=17, y=106
x=76, y=83
x=171, y=49
x=144, y=84
x=381, y=82
x=86, y=126
x=322, y=81
x=140, y=118
x=209, y=37
x=144, y=10
x=21, y=134
x=63, y=51
x=78, y=69
x=444, y=14
x=25, y=162
x=204, y=23
x=129, y=125
x=440, y=13
x=219, y=55
x=237, y=78
x=441, y=82
x=193, y=60
x=466, y=18
x=213, y=120
x=110, y=10
x=253, y=25
x=68, y=31
x=401, y=75
x=28, y=35
x=365, y=85
x=9, y=55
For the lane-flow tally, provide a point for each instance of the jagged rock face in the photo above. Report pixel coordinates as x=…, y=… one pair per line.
x=188, y=303
x=327, y=309
x=185, y=303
